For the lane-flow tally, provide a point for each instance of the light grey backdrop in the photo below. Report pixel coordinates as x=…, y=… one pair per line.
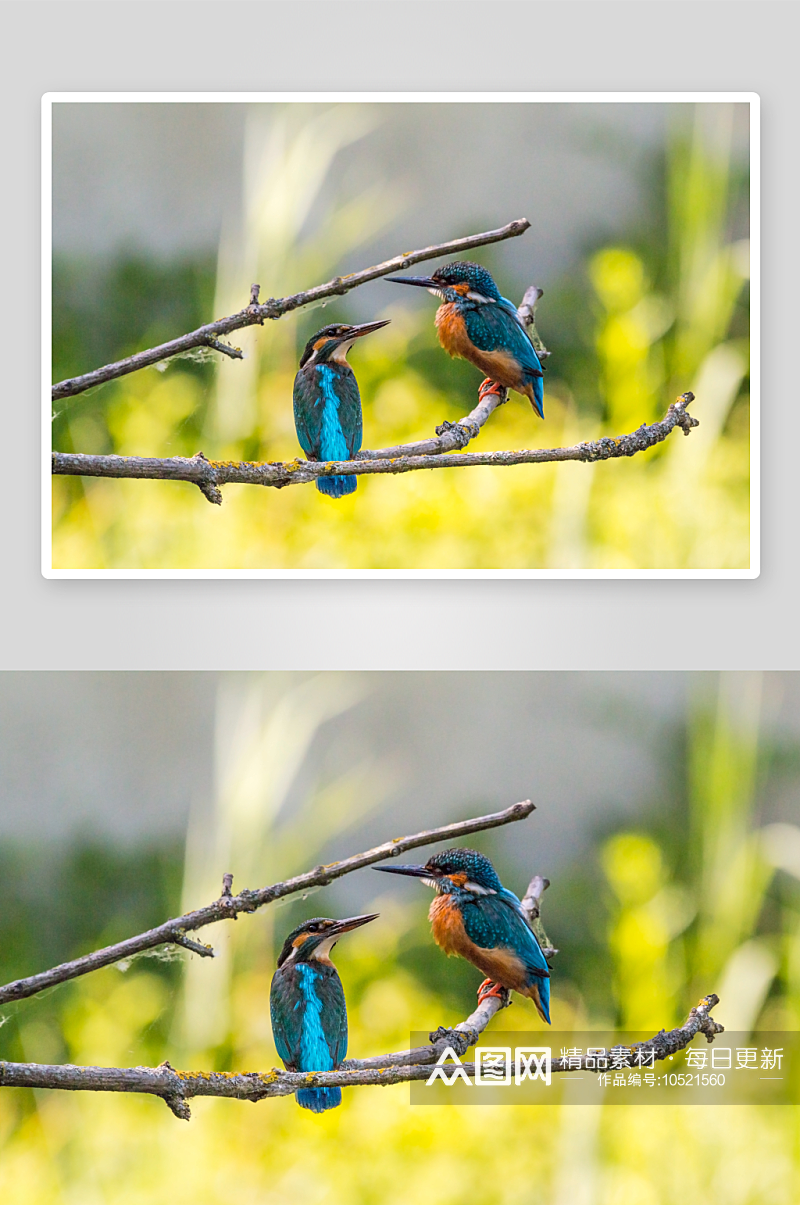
x=555, y=46
x=128, y=758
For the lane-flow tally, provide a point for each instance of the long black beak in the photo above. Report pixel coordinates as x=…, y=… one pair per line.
x=366, y=328
x=425, y=282
x=417, y=872
x=355, y=922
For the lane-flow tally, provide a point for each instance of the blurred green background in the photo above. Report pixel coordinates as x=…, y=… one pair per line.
x=165, y=214
x=667, y=819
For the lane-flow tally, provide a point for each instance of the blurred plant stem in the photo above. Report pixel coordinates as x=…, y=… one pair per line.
x=265, y=727
x=650, y=914
x=730, y=872
x=288, y=156
x=660, y=323
x=666, y=936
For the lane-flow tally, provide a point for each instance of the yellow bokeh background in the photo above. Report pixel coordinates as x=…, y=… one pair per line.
x=656, y=323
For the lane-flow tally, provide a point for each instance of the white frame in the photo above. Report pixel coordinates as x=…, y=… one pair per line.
x=749, y=98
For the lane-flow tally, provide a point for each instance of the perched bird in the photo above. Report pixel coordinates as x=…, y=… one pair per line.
x=475, y=916
x=327, y=404
x=478, y=324
x=307, y=1006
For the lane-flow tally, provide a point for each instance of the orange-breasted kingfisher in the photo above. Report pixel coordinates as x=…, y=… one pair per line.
x=478, y=324
x=475, y=916
x=327, y=404
x=307, y=1005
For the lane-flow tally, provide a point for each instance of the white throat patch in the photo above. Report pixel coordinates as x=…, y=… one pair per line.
x=322, y=953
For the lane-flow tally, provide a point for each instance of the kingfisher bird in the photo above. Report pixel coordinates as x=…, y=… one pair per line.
x=475, y=916
x=327, y=404
x=307, y=1005
x=478, y=324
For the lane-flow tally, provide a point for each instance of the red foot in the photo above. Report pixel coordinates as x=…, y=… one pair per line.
x=488, y=989
x=488, y=387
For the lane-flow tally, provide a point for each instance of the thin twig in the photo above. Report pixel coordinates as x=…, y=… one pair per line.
x=256, y=313
x=532, y=905
x=173, y=932
x=175, y=1087
x=527, y=312
x=450, y=436
x=406, y=459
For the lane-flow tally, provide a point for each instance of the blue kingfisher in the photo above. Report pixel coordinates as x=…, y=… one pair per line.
x=327, y=404
x=475, y=916
x=478, y=324
x=307, y=1005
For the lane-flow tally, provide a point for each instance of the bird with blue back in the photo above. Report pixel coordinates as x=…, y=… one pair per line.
x=476, y=323
x=473, y=915
x=307, y=1005
x=327, y=403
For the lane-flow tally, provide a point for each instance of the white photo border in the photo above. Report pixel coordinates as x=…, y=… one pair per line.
x=750, y=98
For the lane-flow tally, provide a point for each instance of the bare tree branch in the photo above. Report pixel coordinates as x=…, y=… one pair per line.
x=228, y=906
x=211, y=474
x=256, y=313
x=176, y=1087
x=450, y=436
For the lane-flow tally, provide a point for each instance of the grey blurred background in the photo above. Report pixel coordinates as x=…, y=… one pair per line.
x=165, y=179
x=126, y=757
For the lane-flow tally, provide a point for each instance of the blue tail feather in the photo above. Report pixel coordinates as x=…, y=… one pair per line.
x=538, y=393
x=337, y=487
x=319, y=1099
x=543, y=989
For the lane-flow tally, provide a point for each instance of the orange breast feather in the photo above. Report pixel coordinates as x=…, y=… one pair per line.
x=452, y=331
x=500, y=964
x=498, y=365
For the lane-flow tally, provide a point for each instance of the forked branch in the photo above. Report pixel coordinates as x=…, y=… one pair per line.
x=256, y=313
x=209, y=475
x=176, y=1088
x=228, y=906
x=443, y=452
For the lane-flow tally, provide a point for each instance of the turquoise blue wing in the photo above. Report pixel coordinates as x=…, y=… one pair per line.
x=307, y=413
x=496, y=328
x=493, y=921
x=345, y=389
x=287, y=1010
x=333, y=1017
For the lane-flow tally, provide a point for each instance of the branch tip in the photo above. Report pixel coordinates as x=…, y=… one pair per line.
x=401, y=1067
x=177, y=1105
x=211, y=492
x=235, y=353
x=205, y=951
